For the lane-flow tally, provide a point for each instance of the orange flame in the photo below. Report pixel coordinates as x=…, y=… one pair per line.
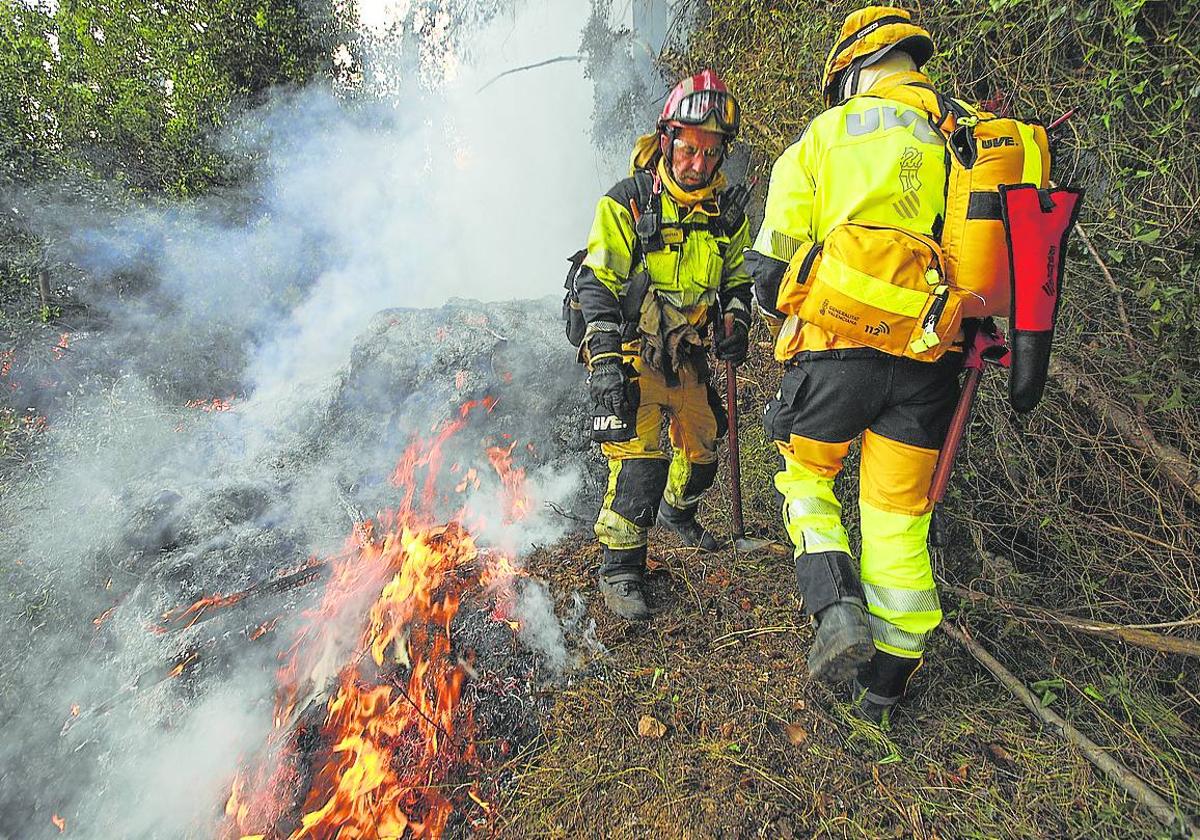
x=187, y=616
x=262, y=629
x=513, y=479
x=396, y=742
x=64, y=344
x=59, y=823
x=182, y=664
x=104, y=616
x=215, y=404
x=471, y=479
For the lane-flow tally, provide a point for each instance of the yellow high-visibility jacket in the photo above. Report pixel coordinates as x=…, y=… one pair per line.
x=870, y=159
x=698, y=267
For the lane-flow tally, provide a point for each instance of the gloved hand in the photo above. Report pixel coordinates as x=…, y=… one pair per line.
x=735, y=346
x=609, y=387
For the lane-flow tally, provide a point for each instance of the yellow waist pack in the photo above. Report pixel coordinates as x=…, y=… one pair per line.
x=879, y=286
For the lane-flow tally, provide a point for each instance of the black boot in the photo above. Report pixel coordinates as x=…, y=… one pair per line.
x=880, y=686
x=834, y=598
x=842, y=644
x=622, y=583
x=683, y=523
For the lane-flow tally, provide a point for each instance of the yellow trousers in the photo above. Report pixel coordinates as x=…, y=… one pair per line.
x=894, y=480
x=640, y=473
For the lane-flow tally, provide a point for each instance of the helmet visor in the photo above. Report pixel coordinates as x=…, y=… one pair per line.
x=696, y=108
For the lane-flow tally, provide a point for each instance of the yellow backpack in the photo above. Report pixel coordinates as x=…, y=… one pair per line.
x=904, y=293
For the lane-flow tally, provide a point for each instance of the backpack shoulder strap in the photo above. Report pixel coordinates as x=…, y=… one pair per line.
x=576, y=261
x=643, y=180
x=944, y=111
x=732, y=205
x=647, y=222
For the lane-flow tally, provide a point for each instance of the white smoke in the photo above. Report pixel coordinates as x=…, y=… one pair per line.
x=457, y=184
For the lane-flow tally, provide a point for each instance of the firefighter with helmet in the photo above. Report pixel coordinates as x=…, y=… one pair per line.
x=663, y=274
x=871, y=158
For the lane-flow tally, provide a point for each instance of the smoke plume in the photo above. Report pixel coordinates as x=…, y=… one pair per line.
x=250, y=367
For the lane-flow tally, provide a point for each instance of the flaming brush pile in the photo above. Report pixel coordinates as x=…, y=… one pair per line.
x=389, y=750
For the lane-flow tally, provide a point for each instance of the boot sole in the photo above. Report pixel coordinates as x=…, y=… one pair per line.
x=846, y=655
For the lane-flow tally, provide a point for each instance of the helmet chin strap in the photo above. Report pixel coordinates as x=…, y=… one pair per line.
x=862, y=73
x=850, y=79
x=666, y=144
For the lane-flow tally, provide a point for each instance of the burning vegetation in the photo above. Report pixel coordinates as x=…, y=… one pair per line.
x=371, y=735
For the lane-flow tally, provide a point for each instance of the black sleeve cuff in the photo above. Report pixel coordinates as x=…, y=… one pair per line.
x=768, y=274
x=596, y=301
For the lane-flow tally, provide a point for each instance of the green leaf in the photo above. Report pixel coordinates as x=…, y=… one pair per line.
x=1051, y=682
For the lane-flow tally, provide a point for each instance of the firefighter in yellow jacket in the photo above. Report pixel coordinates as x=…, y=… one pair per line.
x=663, y=274
x=873, y=159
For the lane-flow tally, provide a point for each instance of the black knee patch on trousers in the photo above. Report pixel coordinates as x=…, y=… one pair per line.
x=640, y=485
x=623, y=560
x=825, y=578
x=701, y=478
x=888, y=675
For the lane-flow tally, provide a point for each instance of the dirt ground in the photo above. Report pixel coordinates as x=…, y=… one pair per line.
x=753, y=748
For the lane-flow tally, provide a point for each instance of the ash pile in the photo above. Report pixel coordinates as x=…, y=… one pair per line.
x=148, y=627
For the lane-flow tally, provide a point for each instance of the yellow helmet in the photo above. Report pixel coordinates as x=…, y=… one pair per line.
x=867, y=32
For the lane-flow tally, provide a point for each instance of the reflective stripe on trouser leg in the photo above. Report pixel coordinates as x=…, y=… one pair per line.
x=896, y=572
x=812, y=513
x=631, y=501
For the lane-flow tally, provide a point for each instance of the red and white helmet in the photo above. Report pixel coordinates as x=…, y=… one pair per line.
x=702, y=101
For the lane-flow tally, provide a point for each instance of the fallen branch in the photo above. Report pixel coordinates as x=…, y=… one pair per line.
x=1117, y=772
x=182, y=618
x=1122, y=315
x=1130, y=635
x=535, y=65
x=566, y=515
x=1174, y=463
x=44, y=288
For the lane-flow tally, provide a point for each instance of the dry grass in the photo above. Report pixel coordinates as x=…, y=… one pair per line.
x=753, y=748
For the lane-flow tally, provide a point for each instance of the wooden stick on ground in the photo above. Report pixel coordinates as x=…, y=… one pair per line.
x=1116, y=771
x=1130, y=635
x=1174, y=464
x=44, y=287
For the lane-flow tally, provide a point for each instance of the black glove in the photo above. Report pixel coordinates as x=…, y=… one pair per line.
x=735, y=346
x=609, y=387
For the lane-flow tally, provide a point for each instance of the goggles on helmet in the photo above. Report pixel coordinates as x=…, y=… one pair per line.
x=696, y=108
